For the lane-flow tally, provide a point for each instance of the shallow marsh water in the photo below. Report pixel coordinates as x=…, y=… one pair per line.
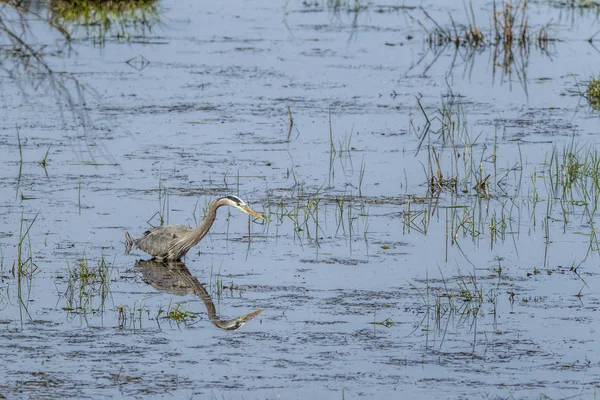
x=372, y=283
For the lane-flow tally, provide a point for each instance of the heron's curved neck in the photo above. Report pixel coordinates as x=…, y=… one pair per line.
x=201, y=230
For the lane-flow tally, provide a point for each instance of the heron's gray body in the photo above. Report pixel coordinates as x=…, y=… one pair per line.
x=160, y=240
x=171, y=242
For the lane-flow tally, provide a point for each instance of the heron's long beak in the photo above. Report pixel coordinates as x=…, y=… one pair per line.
x=250, y=211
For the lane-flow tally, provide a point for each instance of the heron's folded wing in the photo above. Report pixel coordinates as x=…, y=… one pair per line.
x=157, y=241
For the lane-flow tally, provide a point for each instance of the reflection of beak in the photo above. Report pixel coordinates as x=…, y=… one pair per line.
x=250, y=211
x=248, y=317
x=236, y=323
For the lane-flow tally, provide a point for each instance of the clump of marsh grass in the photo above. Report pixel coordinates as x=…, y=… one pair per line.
x=456, y=303
x=468, y=35
x=180, y=314
x=509, y=25
x=447, y=127
x=347, y=5
x=592, y=93
x=574, y=180
x=509, y=38
x=593, y=4
x=103, y=19
x=463, y=179
x=436, y=179
x=575, y=173
x=87, y=287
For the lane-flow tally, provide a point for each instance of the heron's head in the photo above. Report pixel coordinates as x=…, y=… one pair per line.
x=238, y=203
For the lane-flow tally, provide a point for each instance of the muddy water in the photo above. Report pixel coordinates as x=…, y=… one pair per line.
x=371, y=284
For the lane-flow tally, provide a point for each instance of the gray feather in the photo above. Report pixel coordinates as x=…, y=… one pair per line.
x=157, y=241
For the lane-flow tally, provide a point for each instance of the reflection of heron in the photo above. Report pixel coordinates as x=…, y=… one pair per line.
x=174, y=277
x=172, y=242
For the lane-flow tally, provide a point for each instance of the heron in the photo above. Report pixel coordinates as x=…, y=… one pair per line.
x=171, y=242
